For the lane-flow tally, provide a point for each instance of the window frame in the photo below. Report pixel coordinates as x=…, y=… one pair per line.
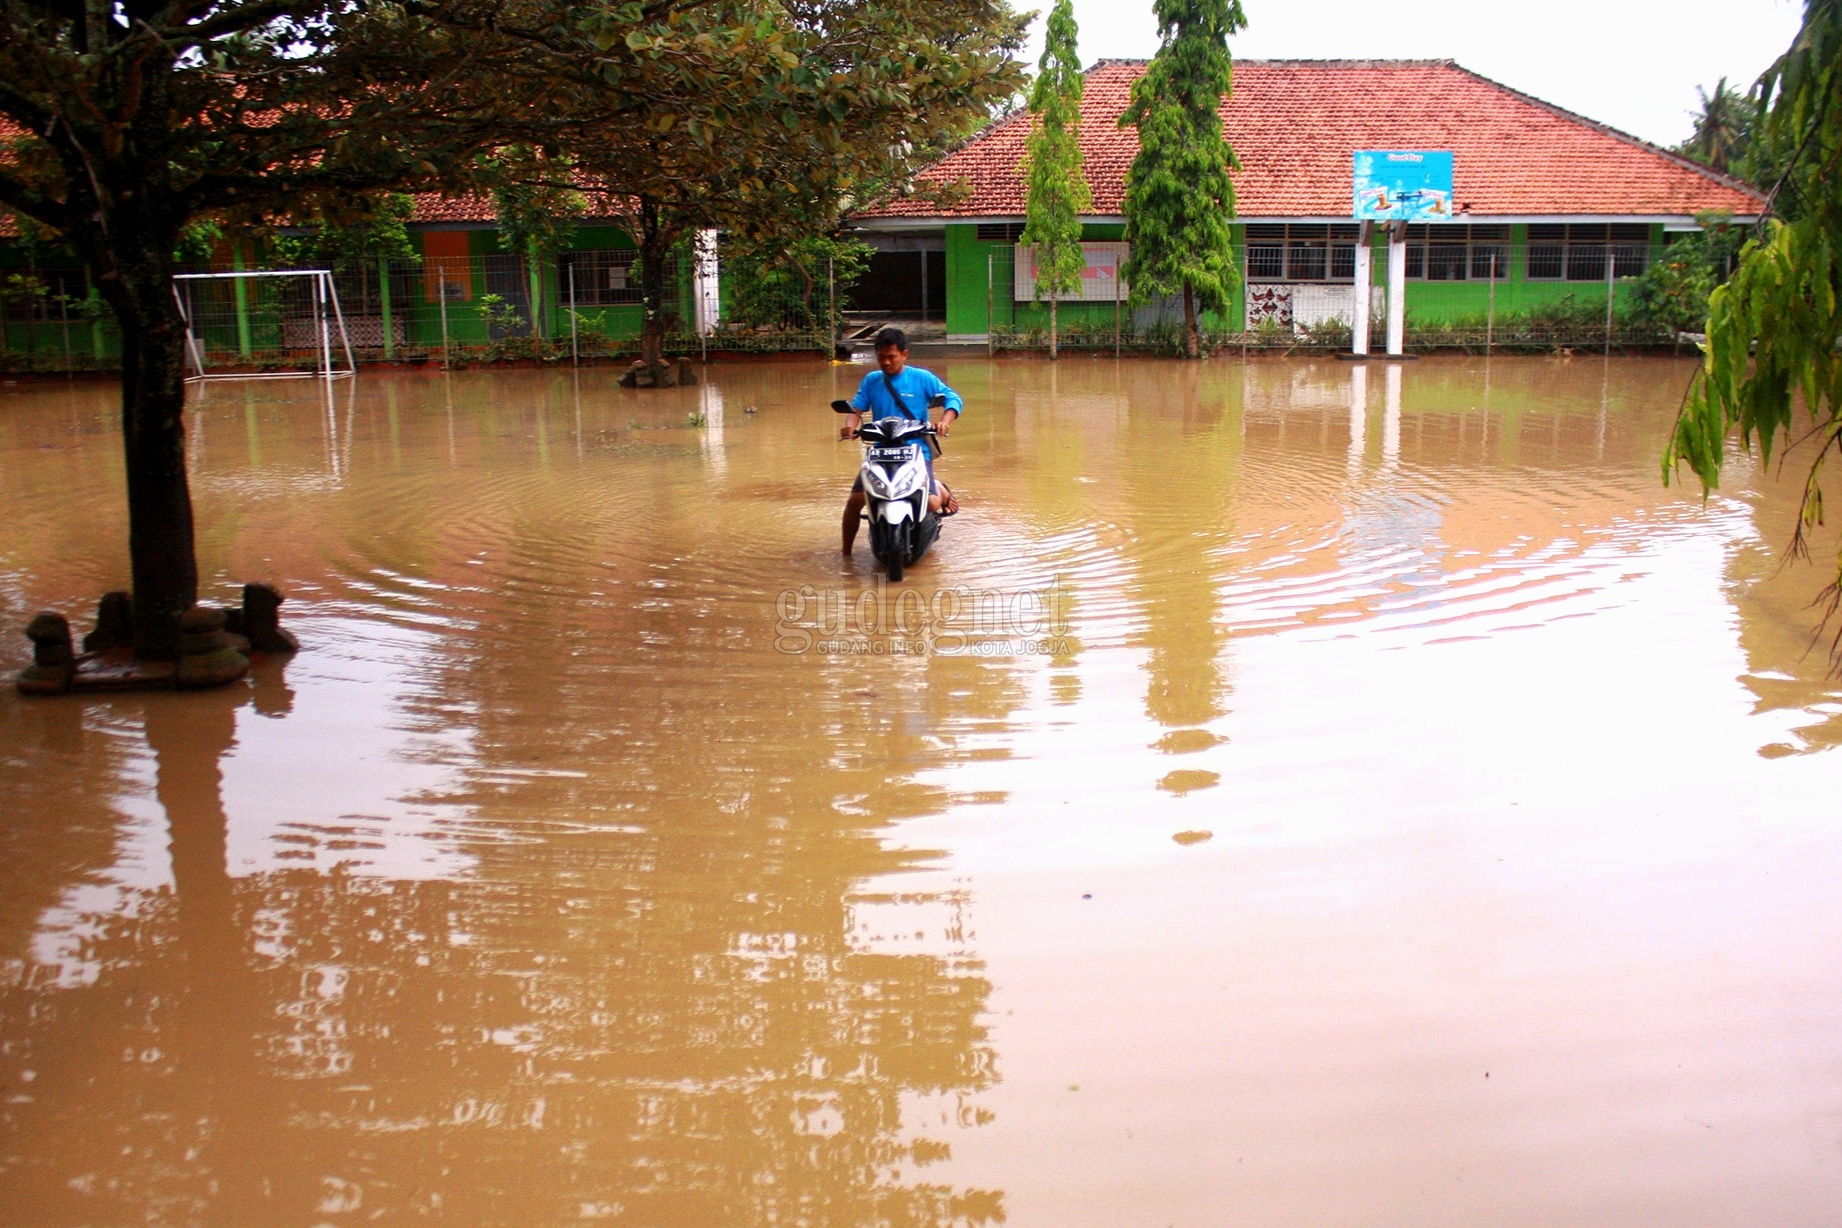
x=1463, y=249
x=999, y=232
x=1575, y=252
x=603, y=264
x=1307, y=253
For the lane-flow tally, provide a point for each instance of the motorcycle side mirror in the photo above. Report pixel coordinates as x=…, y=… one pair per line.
x=936, y=401
x=841, y=407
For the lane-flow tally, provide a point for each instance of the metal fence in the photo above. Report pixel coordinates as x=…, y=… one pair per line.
x=1481, y=295
x=50, y=321
x=579, y=306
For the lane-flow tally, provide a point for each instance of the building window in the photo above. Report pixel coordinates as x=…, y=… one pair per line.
x=602, y=279
x=998, y=232
x=1454, y=252
x=1578, y=251
x=1301, y=253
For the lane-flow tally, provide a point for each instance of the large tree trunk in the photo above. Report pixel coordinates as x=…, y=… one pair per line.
x=655, y=246
x=124, y=215
x=161, y=562
x=1192, y=339
x=1053, y=355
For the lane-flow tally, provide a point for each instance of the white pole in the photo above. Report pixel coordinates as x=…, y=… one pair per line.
x=1359, y=328
x=575, y=346
x=1611, y=266
x=442, y=299
x=1490, y=308
x=193, y=350
x=345, y=339
x=326, y=341
x=1397, y=286
x=991, y=307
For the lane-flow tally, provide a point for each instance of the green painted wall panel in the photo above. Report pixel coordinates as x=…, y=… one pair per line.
x=968, y=278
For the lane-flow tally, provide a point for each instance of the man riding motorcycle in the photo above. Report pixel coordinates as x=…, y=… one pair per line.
x=897, y=390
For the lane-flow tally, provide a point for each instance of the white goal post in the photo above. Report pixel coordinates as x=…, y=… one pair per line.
x=263, y=318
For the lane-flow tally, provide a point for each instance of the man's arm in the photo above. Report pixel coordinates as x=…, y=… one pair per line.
x=953, y=406
x=860, y=405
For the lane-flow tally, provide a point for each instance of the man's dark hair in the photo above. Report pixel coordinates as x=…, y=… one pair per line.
x=892, y=336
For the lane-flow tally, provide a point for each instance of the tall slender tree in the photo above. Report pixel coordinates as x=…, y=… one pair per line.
x=1772, y=328
x=1059, y=193
x=1179, y=197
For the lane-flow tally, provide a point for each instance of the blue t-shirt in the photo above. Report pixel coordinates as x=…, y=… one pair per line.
x=916, y=386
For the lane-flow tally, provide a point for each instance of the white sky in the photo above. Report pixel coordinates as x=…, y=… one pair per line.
x=1633, y=64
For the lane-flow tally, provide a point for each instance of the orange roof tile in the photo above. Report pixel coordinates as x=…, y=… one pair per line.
x=1295, y=124
x=433, y=207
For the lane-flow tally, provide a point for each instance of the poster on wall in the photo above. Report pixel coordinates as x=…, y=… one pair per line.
x=1403, y=185
x=1100, y=280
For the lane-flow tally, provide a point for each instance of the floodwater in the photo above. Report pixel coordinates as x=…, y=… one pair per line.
x=1292, y=794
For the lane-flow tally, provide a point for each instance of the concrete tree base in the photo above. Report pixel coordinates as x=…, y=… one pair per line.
x=214, y=648
x=659, y=375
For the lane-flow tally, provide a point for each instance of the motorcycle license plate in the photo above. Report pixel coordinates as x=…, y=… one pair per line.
x=891, y=455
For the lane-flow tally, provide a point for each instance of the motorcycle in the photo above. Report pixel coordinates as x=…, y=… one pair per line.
x=896, y=487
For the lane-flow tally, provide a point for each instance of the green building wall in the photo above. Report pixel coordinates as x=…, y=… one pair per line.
x=542, y=282
x=972, y=300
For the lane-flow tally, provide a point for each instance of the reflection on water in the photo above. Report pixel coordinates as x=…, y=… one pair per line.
x=550, y=885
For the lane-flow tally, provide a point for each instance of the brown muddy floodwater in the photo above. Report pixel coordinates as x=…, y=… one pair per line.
x=1292, y=795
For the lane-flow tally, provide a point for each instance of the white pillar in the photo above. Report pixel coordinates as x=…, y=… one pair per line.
x=1359, y=317
x=707, y=289
x=1397, y=286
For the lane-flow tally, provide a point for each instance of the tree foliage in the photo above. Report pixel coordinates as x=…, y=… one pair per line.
x=1179, y=199
x=1723, y=128
x=1058, y=188
x=1773, y=328
x=135, y=118
x=1729, y=136
x=868, y=92
x=785, y=283
x=355, y=234
x=1671, y=295
x=535, y=201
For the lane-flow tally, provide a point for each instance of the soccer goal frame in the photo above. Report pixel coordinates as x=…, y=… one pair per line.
x=326, y=325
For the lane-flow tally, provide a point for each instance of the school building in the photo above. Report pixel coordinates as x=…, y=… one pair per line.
x=1545, y=201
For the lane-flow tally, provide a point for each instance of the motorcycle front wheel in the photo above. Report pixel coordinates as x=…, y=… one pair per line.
x=898, y=552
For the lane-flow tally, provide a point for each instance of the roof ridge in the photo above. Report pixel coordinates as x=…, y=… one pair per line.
x=1329, y=62
x=1683, y=160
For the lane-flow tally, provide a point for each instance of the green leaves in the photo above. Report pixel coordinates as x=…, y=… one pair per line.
x=1771, y=359
x=1179, y=199
x=1058, y=188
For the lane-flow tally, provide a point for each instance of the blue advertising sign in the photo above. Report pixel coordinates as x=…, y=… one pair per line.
x=1403, y=185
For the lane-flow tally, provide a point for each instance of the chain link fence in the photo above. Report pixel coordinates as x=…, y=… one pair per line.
x=1566, y=287
x=51, y=321
x=1479, y=294
x=580, y=306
